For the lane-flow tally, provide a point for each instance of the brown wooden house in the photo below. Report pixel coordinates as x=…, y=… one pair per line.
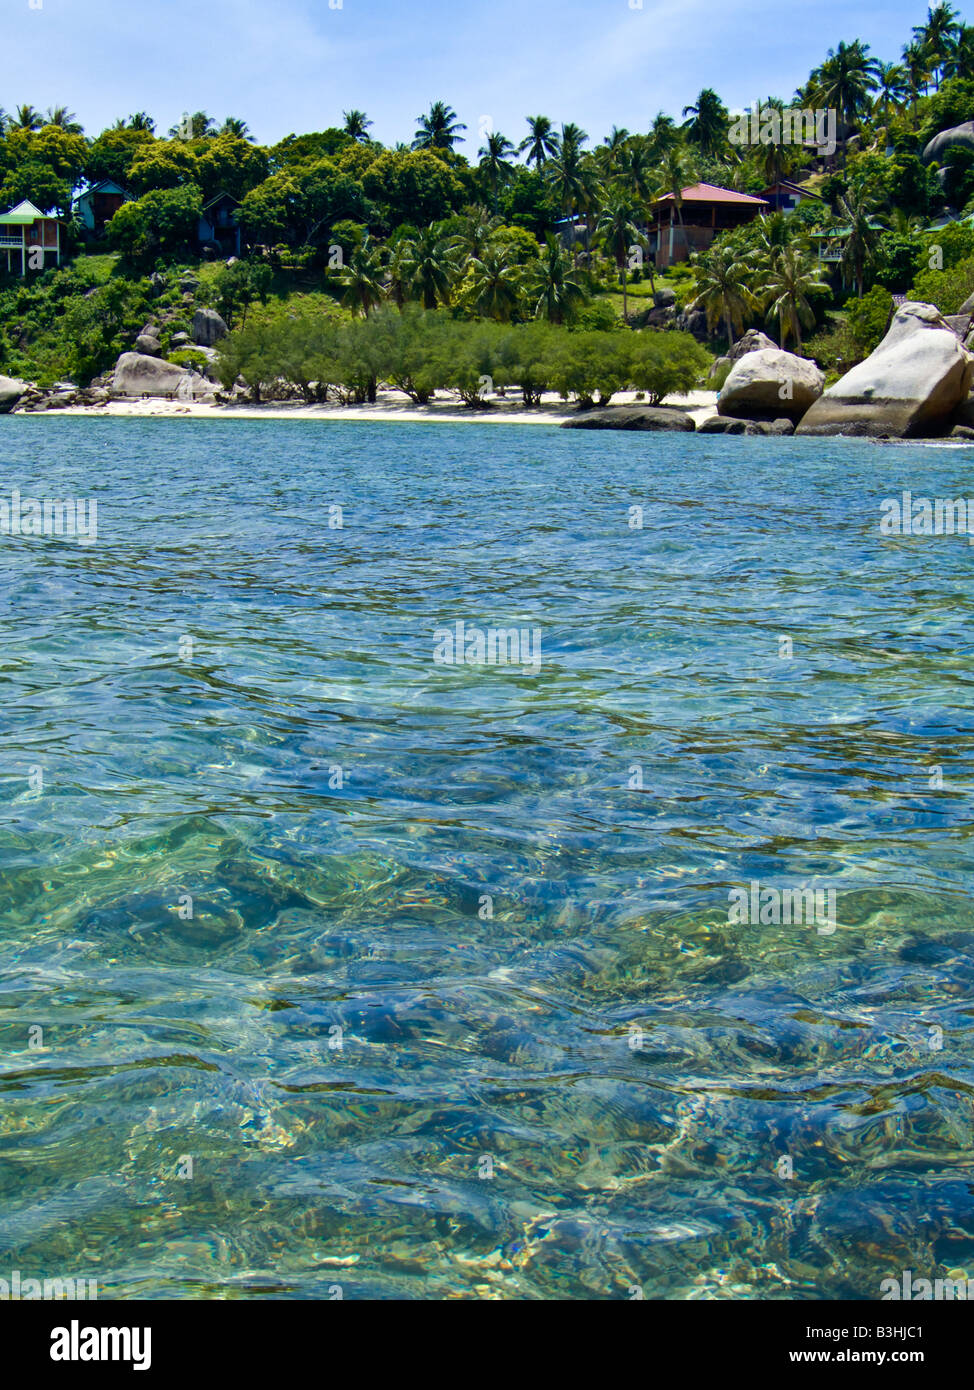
x=705, y=210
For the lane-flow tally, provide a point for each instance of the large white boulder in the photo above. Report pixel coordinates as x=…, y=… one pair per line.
x=770, y=384
x=910, y=385
x=138, y=375
x=11, y=391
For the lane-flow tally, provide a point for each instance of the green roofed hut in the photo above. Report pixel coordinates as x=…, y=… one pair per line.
x=31, y=235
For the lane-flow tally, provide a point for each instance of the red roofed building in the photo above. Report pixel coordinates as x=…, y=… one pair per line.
x=704, y=211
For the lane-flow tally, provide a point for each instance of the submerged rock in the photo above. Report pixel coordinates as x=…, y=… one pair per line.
x=631, y=417
x=911, y=385
x=724, y=424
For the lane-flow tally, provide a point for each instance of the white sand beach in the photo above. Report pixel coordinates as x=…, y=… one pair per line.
x=390, y=406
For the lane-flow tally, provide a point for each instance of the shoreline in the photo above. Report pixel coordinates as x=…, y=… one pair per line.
x=699, y=405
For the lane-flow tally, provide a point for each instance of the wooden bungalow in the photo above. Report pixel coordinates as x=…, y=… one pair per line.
x=218, y=227
x=97, y=205
x=705, y=210
x=785, y=196
x=30, y=238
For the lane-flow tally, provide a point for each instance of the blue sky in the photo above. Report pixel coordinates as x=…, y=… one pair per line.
x=294, y=65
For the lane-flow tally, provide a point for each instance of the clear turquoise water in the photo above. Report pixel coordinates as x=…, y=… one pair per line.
x=315, y=906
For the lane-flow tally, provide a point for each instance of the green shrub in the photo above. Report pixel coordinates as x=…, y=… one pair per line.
x=190, y=359
x=947, y=288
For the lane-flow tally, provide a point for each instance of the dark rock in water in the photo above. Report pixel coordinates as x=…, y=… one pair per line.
x=631, y=417
x=964, y=414
x=724, y=424
x=962, y=432
x=853, y=429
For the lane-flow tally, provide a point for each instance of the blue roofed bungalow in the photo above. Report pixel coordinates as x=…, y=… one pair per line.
x=98, y=204
x=219, y=229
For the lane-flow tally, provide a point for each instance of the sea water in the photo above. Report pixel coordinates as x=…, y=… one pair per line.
x=329, y=969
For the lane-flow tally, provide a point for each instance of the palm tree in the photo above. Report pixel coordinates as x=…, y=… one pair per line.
x=399, y=271
x=574, y=136
x=774, y=235
x=892, y=85
x=495, y=282
x=362, y=279
x=439, y=129
x=723, y=282
x=856, y=207
x=775, y=159
x=637, y=176
x=233, y=125
x=674, y=175
x=495, y=161
x=4, y=118
x=569, y=179
x=845, y=80
x=552, y=281
x=541, y=143
x=917, y=73
x=476, y=230
x=793, y=277
x=612, y=150
x=61, y=116
x=356, y=124
x=26, y=118
x=707, y=127
x=960, y=58
x=618, y=230
x=430, y=266
x=193, y=127
x=141, y=121
x=663, y=136
x=936, y=36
